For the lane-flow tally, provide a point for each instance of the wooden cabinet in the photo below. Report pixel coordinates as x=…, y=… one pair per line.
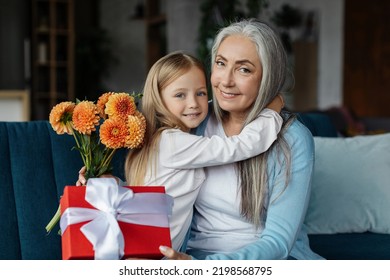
x=52, y=54
x=367, y=58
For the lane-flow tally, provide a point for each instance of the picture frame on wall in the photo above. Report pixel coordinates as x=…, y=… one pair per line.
x=14, y=105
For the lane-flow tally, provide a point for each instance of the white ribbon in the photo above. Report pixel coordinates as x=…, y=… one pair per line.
x=114, y=203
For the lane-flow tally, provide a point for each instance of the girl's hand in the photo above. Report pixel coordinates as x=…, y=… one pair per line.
x=171, y=254
x=277, y=104
x=82, y=180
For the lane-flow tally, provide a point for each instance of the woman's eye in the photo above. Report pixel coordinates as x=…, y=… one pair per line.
x=219, y=63
x=244, y=70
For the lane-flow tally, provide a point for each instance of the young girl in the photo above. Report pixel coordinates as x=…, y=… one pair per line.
x=174, y=101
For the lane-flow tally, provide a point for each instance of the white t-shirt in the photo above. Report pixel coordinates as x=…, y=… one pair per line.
x=219, y=225
x=219, y=232
x=182, y=155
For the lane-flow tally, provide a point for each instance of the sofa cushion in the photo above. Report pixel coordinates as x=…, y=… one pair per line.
x=351, y=185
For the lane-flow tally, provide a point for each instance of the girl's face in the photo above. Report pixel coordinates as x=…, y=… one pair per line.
x=236, y=74
x=186, y=97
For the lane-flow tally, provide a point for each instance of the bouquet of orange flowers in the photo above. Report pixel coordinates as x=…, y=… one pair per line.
x=121, y=126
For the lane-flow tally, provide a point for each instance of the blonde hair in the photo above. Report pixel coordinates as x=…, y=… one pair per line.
x=158, y=117
x=253, y=171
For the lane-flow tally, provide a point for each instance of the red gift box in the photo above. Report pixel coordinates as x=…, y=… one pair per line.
x=141, y=241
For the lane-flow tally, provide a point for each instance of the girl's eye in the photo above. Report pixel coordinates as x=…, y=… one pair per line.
x=202, y=93
x=179, y=95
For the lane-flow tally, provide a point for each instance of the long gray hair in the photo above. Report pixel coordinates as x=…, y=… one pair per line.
x=253, y=172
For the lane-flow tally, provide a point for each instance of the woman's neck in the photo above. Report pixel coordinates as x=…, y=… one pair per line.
x=233, y=124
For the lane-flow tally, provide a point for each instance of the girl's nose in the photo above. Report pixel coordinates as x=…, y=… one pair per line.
x=193, y=102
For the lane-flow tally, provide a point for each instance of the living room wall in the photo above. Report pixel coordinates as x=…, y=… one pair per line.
x=183, y=20
x=128, y=44
x=330, y=47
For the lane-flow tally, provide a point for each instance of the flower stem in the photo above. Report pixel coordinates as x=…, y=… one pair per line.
x=78, y=146
x=54, y=220
x=108, y=157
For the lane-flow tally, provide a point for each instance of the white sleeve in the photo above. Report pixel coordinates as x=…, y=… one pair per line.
x=181, y=150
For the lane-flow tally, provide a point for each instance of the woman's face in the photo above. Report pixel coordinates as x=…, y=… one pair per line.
x=236, y=74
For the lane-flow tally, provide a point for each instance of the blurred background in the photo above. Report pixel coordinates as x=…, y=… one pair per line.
x=57, y=50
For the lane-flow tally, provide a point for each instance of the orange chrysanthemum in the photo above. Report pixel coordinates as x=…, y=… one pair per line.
x=123, y=126
x=61, y=116
x=85, y=117
x=113, y=133
x=136, y=125
x=101, y=104
x=120, y=105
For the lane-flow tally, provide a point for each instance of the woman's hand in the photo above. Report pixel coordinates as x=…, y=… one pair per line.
x=277, y=104
x=171, y=254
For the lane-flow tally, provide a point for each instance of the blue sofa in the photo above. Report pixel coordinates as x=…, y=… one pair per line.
x=353, y=227
x=36, y=164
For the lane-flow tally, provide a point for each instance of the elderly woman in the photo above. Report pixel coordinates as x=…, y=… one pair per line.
x=260, y=213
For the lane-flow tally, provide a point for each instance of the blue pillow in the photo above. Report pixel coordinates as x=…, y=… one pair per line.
x=351, y=185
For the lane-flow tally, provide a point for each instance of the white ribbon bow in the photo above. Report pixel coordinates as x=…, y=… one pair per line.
x=114, y=203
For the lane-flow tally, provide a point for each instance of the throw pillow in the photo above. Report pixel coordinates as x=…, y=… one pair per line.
x=351, y=185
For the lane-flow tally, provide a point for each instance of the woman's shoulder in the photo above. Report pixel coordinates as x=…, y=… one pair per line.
x=298, y=134
x=297, y=127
